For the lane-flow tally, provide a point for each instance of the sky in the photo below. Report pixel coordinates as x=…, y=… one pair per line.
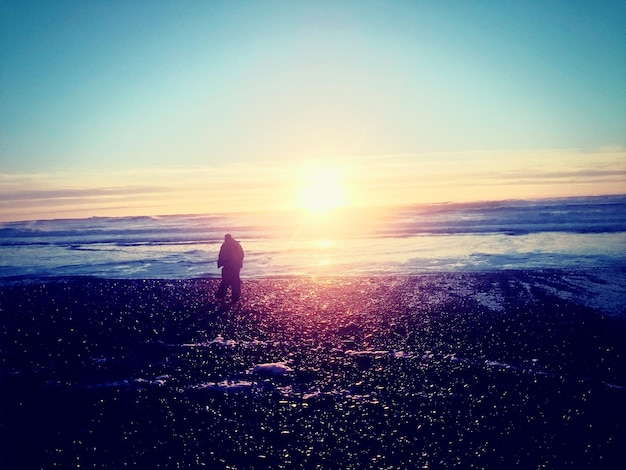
x=124, y=107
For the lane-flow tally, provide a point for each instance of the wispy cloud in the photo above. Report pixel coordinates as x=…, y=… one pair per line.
x=154, y=190
x=368, y=180
x=489, y=175
x=83, y=194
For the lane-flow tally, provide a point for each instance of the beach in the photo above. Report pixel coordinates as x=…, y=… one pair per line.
x=502, y=369
x=425, y=201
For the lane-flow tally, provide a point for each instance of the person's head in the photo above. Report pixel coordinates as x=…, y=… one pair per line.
x=228, y=237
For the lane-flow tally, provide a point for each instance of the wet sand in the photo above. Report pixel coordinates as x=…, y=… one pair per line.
x=514, y=369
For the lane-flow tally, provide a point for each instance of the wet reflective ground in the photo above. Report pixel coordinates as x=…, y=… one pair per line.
x=492, y=370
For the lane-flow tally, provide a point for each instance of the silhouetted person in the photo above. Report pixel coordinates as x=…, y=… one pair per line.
x=230, y=260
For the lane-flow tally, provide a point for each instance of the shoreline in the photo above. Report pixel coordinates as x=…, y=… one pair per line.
x=611, y=279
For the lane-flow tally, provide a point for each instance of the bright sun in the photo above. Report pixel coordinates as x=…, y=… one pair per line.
x=321, y=190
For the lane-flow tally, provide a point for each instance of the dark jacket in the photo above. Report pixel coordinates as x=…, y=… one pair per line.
x=231, y=254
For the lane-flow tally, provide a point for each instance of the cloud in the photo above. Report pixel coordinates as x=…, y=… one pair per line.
x=84, y=194
x=489, y=175
x=368, y=180
x=148, y=191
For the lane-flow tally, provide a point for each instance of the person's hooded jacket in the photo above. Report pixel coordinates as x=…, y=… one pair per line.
x=231, y=254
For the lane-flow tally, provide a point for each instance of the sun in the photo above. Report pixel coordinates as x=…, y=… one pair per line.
x=321, y=190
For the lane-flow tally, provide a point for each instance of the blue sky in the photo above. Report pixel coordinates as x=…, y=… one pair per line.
x=141, y=98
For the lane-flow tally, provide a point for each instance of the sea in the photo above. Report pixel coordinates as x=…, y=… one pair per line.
x=563, y=233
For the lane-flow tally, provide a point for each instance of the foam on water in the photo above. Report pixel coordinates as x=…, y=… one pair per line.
x=556, y=233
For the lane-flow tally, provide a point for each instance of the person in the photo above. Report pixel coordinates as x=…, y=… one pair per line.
x=230, y=259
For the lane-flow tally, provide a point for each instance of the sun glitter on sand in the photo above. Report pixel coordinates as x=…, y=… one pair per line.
x=482, y=369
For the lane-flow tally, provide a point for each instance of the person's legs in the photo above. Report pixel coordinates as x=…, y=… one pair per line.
x=223, y=288
x=231, y=275
x=235, y=284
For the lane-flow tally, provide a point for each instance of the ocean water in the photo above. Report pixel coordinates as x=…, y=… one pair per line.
x=570, y=233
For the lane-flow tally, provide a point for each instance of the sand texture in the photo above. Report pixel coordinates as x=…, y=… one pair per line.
x=514, y=369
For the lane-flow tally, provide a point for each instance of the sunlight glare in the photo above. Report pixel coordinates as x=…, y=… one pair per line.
x=322, y=190
x=323, y=243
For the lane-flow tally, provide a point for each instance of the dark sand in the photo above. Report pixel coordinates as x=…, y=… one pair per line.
x=486, y=370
